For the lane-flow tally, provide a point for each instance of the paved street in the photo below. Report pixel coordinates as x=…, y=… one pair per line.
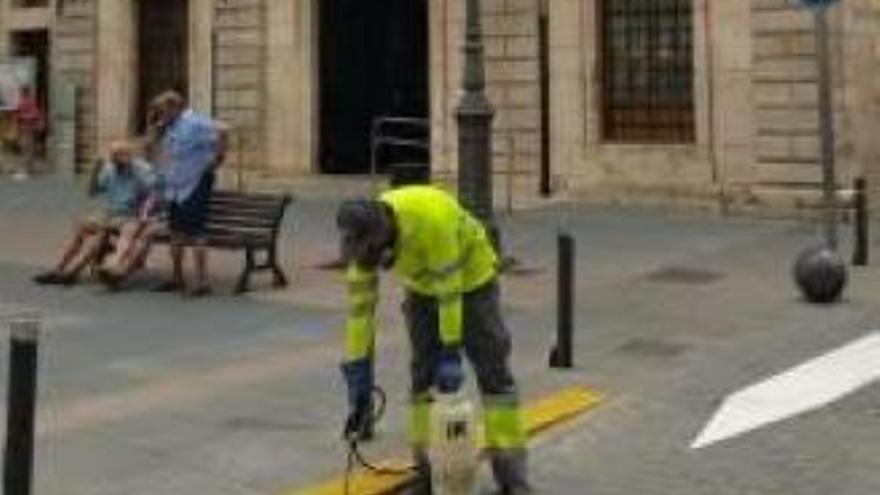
x=144, y=393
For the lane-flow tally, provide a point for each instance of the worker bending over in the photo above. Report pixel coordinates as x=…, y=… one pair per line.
x=447, y=264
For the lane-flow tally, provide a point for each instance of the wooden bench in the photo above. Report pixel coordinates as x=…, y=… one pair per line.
x=248, y=222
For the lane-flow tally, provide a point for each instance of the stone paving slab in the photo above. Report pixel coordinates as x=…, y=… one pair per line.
x=242, y=395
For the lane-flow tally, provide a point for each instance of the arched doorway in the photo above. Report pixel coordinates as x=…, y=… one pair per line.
x=373, y=61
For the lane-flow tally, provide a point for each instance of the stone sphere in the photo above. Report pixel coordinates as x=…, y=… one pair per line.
x=820, y=273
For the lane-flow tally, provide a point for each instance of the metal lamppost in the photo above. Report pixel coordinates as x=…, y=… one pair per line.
x=475, y=114
x=820, y=271
x=826, y=123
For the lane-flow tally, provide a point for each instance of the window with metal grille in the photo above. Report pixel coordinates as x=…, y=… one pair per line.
x=647, y=71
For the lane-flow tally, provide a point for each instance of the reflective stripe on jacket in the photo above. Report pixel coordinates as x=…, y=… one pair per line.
x=363, y=293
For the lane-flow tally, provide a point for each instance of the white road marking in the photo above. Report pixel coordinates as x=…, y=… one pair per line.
x=804, y=388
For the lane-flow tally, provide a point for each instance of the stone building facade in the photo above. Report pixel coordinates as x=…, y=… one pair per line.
x=756, y=138
x=732, y=120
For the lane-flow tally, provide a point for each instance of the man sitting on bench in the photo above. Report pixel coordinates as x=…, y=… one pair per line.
x=125, y=185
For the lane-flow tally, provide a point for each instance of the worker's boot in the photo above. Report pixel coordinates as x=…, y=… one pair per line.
x=510, y=473
x=514, y=491
x=421, y=484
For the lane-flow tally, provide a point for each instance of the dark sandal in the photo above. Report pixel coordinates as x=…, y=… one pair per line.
x=110, y=279
x=201, y=291
x=168, y=286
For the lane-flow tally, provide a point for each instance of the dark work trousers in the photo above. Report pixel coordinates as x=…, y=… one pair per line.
x=487, y=344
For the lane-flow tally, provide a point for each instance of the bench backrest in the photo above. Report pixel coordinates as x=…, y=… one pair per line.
x=234, y=214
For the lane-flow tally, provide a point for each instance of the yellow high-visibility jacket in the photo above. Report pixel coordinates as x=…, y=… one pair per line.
x=441, y=251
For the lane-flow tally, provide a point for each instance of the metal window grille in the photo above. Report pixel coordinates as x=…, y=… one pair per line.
x=647, y=71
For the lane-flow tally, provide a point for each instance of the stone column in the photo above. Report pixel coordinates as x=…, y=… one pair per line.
x=306, y=75
x=704, y=98
x=4, y=34
x=438, y=66
x=286, y=76
x=116, y=70
x=733, y=97
x=447, y=25
x=201, y=54
x=570, y=54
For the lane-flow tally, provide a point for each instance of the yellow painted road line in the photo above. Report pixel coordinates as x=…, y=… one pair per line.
x=559, y=408
x=538, y=417
x=362, y=482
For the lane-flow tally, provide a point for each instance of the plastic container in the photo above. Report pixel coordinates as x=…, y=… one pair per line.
x=453, y=448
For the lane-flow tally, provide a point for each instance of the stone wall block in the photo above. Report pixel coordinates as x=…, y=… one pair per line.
x=239, y=19
x=785, y=44
x=238, y=56
x=237, y=38
x=513, y=70
x=520, y=46
x=524, y=95
x=799, y=69
x=805, y=145
x=779, y=20
x=791, y=119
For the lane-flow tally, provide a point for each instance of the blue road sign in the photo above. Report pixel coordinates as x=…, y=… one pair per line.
x=815, y=4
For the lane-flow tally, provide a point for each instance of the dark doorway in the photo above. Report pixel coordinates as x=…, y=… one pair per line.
x=35, y=44
x=163, y=27
x=373, y=62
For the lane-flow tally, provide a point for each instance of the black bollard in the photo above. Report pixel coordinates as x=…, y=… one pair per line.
x=820, y=273
x=21, y=401
x=561, y=356
x=860, y=251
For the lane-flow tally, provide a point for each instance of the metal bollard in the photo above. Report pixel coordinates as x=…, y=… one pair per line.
x=21, y=401
x=561, y=356
x=860, y=250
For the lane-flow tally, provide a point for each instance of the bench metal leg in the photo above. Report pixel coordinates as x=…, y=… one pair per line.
x=244, y=278
x=278, y=277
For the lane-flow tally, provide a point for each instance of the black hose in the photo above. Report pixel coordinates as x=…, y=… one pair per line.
x=356, y=457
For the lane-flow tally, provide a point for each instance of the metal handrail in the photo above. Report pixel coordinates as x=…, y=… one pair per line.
x=378, y=140
x=390, y=119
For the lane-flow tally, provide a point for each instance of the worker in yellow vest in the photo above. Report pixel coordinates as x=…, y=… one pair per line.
x=447, y=264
